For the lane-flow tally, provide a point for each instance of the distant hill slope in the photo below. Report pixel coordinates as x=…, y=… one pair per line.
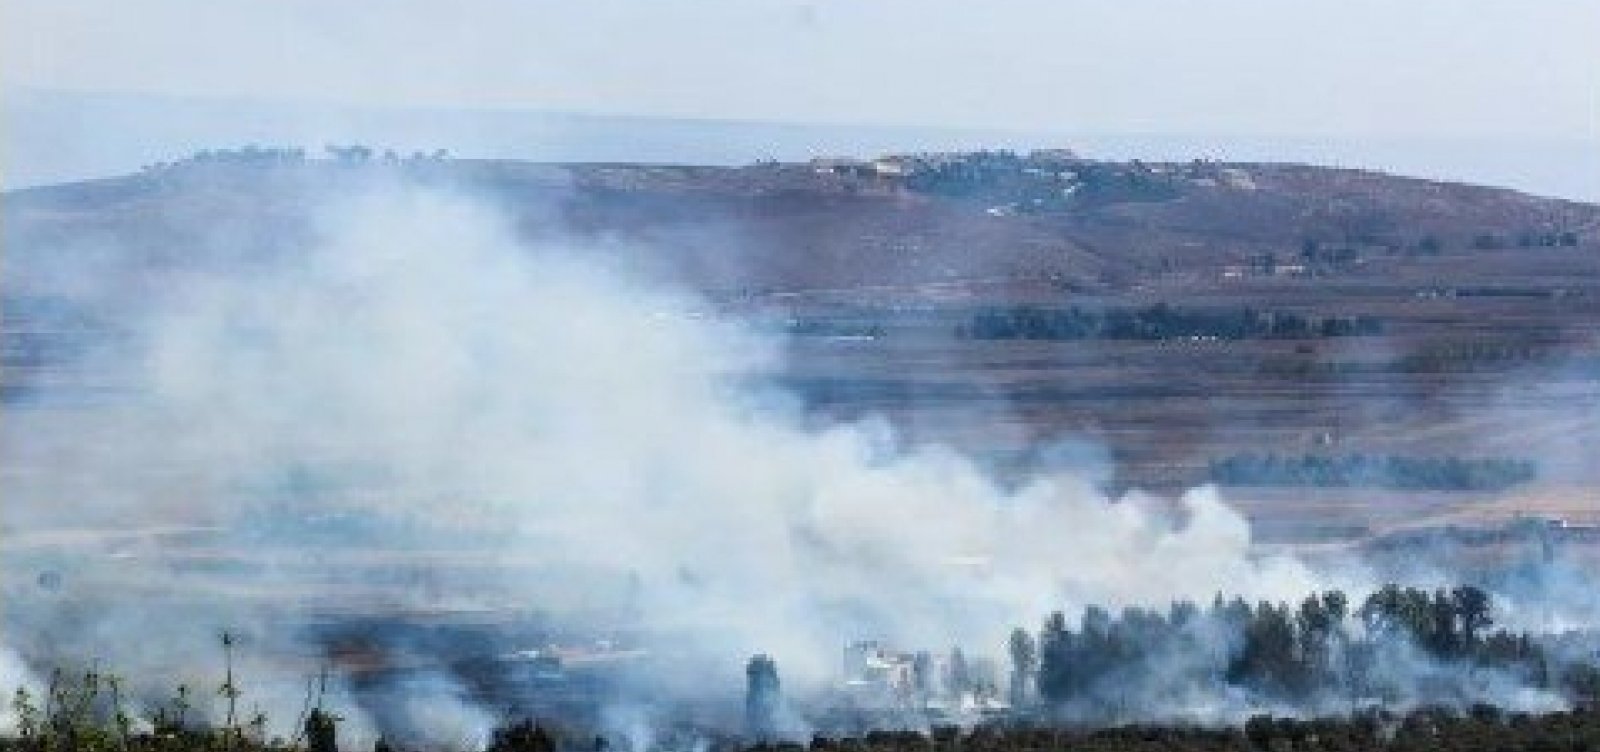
x=1220, y=279
x=53, y=136
x=785, y=227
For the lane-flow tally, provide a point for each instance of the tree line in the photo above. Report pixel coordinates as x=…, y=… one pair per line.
x=1399, y=646
x=1479, y=728
x=254, y=155
x=1158, y=322
x=1526, y=239
x=1373, y=471
x=1035, y=183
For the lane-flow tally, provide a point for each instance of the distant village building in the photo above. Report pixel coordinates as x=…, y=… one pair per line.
x=893, y=167
x=870, y=665
x=839, y=165
x=877, y=678
x=1238, y=179
x=1054, y=155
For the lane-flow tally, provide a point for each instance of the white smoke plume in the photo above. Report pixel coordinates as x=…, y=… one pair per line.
x=14, y=676
x=513, y=426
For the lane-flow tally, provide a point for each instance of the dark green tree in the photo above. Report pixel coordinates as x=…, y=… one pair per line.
x=761, y=698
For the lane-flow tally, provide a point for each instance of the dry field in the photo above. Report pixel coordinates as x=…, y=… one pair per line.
x=1488, y=349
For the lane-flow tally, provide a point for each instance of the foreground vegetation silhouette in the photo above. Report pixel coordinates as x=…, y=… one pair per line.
x=1071, y=689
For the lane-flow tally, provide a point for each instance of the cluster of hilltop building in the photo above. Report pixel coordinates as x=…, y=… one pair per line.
x=902, y=165
x=1043, y=180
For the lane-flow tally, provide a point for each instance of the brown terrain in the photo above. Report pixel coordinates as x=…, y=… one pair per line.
x=1489, y=301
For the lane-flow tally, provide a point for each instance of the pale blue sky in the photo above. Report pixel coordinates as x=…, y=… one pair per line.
x=1505, y=92
x=1343, y=67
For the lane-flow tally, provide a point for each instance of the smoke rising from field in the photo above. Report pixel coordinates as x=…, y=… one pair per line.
x=420, y=411
x=534, y=428
x=14, y=675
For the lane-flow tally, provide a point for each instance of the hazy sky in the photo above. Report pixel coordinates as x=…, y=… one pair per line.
x=1350, y=68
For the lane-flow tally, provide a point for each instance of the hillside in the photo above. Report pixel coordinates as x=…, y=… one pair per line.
x=1482, y=302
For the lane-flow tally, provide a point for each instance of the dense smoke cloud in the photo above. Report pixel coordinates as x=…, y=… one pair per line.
x=502, y=426
x=421, y=411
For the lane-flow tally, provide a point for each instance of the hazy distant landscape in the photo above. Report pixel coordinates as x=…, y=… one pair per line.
x=799, y=376
x=1369, y=369
x=55, y=136
x=1426, y=310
